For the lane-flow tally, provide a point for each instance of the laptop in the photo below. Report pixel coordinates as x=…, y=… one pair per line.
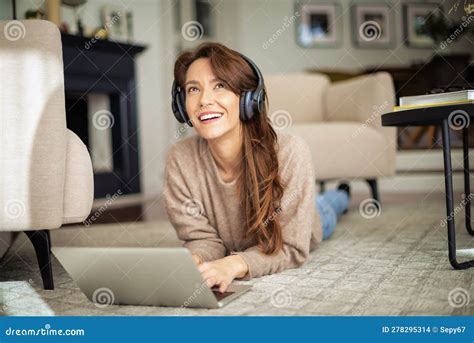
x=142, y=276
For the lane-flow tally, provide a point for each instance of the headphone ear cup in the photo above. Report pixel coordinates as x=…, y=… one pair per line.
x=249, y=105
x=243, y=107
x=260, y=103
x=180, y=102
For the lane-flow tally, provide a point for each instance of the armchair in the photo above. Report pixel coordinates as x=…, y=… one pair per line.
x=46, y=177
x=340, y=121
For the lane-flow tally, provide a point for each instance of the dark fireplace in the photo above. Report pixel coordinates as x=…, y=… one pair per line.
x=99, y=81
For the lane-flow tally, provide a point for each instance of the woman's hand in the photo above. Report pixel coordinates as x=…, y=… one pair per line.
x=197, y=259
x=223, y=271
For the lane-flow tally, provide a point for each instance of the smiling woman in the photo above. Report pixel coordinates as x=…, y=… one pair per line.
x=239, y=195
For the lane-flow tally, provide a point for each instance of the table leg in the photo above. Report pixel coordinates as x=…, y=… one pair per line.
x=467, y=185
x=448, y=181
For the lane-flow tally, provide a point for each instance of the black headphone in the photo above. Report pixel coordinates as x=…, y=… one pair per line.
x=251, y=102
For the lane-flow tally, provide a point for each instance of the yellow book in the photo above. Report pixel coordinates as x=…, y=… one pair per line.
x=410, y=107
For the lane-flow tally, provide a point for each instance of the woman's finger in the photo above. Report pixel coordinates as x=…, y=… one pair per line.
x=211, y=281
x=223, y=287
x=209, y=273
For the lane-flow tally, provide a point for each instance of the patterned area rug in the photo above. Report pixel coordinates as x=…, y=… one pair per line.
x=392, y=264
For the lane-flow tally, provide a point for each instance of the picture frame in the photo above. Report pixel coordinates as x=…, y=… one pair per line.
x=319, y=24
x=415, y=14
x=204, y=16
x=372, y=25
x=115, y=21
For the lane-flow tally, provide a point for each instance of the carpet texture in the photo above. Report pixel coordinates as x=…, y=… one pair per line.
x=392, y=264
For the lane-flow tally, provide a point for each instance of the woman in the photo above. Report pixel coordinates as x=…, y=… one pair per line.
x=240, y=195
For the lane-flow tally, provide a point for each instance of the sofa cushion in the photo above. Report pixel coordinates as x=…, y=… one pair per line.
x=302, y=95
x=346, y=150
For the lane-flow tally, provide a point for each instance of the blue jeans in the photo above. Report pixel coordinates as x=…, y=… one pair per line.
x=331, y=204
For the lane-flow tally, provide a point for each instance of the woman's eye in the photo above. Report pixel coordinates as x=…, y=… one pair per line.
x=191, y=89
x=220, y=85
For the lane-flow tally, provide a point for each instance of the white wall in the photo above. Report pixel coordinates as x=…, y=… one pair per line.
x=260, y=19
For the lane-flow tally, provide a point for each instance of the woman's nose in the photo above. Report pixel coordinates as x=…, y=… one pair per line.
x=206, y=97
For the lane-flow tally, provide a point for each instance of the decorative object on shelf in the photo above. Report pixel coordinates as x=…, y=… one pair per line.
x=53, y=11
x=100, y=33
x=372, y=25
x=318, y=25
x=64, y=27
x=76, y=4
x=415, y=26
x=34, y=14
x=114, y=20
x=468, y=7
x=444, y=31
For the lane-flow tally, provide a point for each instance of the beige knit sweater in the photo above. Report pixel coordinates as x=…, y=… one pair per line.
x=206, y=214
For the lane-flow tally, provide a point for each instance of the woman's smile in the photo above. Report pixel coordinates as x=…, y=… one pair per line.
x=209, y=117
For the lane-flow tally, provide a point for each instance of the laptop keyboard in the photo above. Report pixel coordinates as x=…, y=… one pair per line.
x=219, y=296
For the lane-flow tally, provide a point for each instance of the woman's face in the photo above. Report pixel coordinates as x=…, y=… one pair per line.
x=205, y=94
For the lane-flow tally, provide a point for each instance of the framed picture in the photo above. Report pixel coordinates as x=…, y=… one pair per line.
x=319, y=25
x=115, y=21
x=415, y=15
x=204, y=16
x=372, y=25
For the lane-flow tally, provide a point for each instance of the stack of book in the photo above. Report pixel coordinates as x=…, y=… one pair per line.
x=440, y=99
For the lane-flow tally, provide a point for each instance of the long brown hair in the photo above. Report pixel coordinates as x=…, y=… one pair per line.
x=259, y=186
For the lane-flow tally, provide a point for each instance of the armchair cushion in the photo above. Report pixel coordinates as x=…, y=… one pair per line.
x=302, y=95
x=79, y=181
x=346, y=150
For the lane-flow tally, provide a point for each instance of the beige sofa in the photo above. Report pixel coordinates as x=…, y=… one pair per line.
x=340, y=121
x=46, y=177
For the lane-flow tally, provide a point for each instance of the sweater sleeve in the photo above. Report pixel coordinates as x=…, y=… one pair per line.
x=297, y=218
x=186, y=213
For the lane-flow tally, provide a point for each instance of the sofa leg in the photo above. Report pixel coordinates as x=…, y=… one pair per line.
x=322, y=186
x=42, y=243
x=374, y=190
